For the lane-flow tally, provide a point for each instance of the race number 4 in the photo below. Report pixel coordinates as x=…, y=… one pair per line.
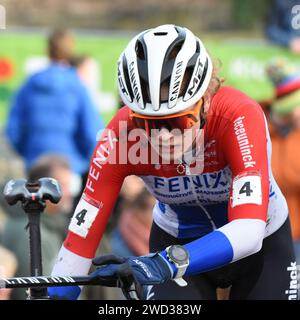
x=83, y=218
x=80, y=217
x=246, y=189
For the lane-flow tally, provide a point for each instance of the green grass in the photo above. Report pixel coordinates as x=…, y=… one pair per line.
x=242, y=62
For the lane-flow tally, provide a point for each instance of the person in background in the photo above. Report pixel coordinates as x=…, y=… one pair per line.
x=54, y=220
x=131, y=236
x=53, y=112
x=283, y=115
x=281, y=28
x=83, y=65
x=8, y=267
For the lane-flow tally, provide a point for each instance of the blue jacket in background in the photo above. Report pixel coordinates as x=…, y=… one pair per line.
x=53, y=113
x=279, y=28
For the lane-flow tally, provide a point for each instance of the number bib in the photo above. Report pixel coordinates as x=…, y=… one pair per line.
x=83, y=218
x=246, y=189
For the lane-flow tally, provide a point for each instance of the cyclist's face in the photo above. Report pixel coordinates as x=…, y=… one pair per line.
x=172, y=144
x=172, y=137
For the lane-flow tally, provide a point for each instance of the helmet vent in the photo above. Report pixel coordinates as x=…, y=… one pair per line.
x=126, y=76
x=160, y=33
x=175, y=50
x=140, y=52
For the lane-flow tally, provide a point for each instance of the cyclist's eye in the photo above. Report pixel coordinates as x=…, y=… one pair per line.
x=140, y=123
x=165, y=124
x=193, y=118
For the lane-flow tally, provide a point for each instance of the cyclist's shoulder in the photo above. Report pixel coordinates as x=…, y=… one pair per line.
x=122, y=114
x=231, y=96
x=230, y=102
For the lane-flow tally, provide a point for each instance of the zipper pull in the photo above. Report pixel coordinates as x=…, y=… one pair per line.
x=187, y=170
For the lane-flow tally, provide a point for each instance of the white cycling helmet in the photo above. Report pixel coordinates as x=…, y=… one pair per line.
x=161, y=58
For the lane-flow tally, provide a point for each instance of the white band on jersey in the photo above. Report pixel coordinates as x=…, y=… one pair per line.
x=245, y=236
x=70, y=264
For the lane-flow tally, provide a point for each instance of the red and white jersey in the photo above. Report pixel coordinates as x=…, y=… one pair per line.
x=235, y=183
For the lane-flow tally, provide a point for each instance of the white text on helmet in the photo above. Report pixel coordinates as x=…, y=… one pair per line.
x=121, y=83
x=175, y=88
x=196, y=79
x=133, y=82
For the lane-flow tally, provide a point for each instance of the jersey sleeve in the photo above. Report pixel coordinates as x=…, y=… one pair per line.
x=244, y=145
x=104, y=181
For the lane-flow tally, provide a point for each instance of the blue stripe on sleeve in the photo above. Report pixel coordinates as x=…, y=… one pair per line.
x=212, y=251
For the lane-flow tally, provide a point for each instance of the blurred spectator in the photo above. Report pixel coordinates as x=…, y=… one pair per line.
x=86, y=68
x=132, y=186
x=89, y=72
x=83, y=64
x=53, y=112
x=131, y=236
x=280, y=29
x=8, y=267
x=54, y=221
x=283, y=115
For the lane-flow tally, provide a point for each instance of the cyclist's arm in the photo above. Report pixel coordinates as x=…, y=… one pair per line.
x=93, y=210
x=247, y=209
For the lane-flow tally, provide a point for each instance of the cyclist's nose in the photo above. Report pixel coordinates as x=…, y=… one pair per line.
x=164, y=134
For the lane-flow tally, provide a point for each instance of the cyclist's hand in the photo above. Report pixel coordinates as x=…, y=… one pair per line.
x=64, y=293
x=146, y=270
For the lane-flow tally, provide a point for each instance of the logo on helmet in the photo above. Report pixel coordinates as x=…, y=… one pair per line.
x=177, y=80
x=195, y=80
x=134, y=82
x=121, y=82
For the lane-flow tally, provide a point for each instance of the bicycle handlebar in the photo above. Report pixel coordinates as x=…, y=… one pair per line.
x=48, y=281
x=127, y=286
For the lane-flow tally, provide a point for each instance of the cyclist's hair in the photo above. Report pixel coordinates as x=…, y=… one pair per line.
x=60, y=45
x=215, y=81
x=45, y=165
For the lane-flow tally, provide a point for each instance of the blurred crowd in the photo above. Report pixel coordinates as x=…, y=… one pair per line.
x=53, y=123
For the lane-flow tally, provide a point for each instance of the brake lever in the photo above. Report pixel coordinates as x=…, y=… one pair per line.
x=130, y=287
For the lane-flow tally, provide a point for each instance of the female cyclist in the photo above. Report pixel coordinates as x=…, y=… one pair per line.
x=203, y=151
